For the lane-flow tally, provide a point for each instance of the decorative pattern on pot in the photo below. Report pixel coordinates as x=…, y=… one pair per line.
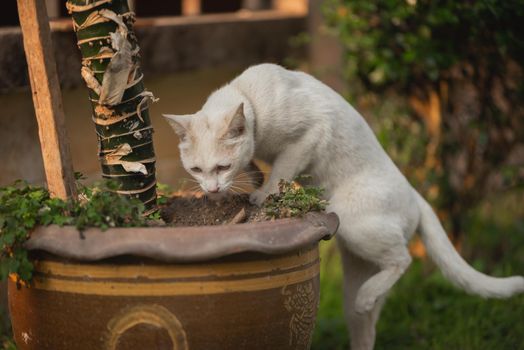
x=302, y=303
x=153, y=315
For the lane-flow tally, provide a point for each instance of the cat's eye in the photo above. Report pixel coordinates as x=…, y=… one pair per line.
x=196, y=170
x=223, y=167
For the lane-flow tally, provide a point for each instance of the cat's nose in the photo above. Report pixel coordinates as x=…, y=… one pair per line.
x=213, y=190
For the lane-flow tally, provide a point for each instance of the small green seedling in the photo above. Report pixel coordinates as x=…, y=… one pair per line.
x=293, y=200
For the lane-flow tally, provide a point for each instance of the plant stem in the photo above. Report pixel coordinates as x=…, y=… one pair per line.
x=111, y=70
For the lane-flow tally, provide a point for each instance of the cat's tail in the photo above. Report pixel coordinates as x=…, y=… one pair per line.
x=454, y=267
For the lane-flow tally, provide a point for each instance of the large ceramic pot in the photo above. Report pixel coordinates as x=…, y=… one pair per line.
x=246, y=286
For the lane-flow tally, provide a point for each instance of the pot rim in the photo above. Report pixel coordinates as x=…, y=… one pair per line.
x=185, y=244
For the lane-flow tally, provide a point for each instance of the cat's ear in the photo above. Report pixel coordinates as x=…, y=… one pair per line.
x=237, y=123
x=179, y=123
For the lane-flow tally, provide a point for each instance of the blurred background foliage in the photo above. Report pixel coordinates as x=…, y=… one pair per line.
x=441, y=83
x=453, y=71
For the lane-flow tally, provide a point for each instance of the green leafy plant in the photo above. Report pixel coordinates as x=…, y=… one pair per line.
x=102, y=207
x=23, y=207
x=293, y=200
x=164, y=192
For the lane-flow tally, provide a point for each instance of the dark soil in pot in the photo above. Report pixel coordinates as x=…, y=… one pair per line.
x=203, y=211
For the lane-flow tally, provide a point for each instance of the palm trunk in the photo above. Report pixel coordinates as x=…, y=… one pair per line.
x=111, y=70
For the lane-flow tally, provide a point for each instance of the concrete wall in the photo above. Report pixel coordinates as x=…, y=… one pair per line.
x=169, y=44
x=179, y=93
x=184, y=60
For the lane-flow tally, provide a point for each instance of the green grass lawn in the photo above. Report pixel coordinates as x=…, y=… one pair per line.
x=424, y=311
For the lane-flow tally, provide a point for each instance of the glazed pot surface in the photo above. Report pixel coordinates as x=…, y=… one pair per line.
x=247, y=286
x=241, y=302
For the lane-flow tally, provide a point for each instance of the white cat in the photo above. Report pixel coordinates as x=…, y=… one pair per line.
x=299, y=125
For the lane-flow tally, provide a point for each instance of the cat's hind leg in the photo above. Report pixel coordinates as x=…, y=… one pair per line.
x=361, y=326
x=380, y=241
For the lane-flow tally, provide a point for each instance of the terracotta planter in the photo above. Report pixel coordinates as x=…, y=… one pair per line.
x=248, y=286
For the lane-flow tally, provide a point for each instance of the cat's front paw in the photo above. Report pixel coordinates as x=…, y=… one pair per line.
x=257, y=197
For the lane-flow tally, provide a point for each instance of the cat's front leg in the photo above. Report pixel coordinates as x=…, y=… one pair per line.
x=288, y=165
x=257, y=197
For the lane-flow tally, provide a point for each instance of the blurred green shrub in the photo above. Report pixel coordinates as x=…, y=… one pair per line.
x=410, y=43
x=458, y=65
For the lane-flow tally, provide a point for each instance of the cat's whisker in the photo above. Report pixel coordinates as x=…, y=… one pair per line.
x=244, y=177
x=239, y=189
x=235, y=186
x=248, y=175
x=232, y=190
x=249, y=183
x=194, y=189
x=254, y=171
x=244, y=182
x=252, y=178
x=240, y=182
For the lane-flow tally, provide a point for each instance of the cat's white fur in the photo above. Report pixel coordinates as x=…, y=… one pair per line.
x=299, y=125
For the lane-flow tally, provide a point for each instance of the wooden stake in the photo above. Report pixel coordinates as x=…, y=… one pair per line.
x=191, y=7
x=295, y=6
x=47, y=98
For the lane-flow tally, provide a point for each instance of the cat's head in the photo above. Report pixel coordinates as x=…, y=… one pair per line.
x=214, y=148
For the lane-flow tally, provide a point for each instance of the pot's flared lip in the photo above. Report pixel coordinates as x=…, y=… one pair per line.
x=185, y=244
